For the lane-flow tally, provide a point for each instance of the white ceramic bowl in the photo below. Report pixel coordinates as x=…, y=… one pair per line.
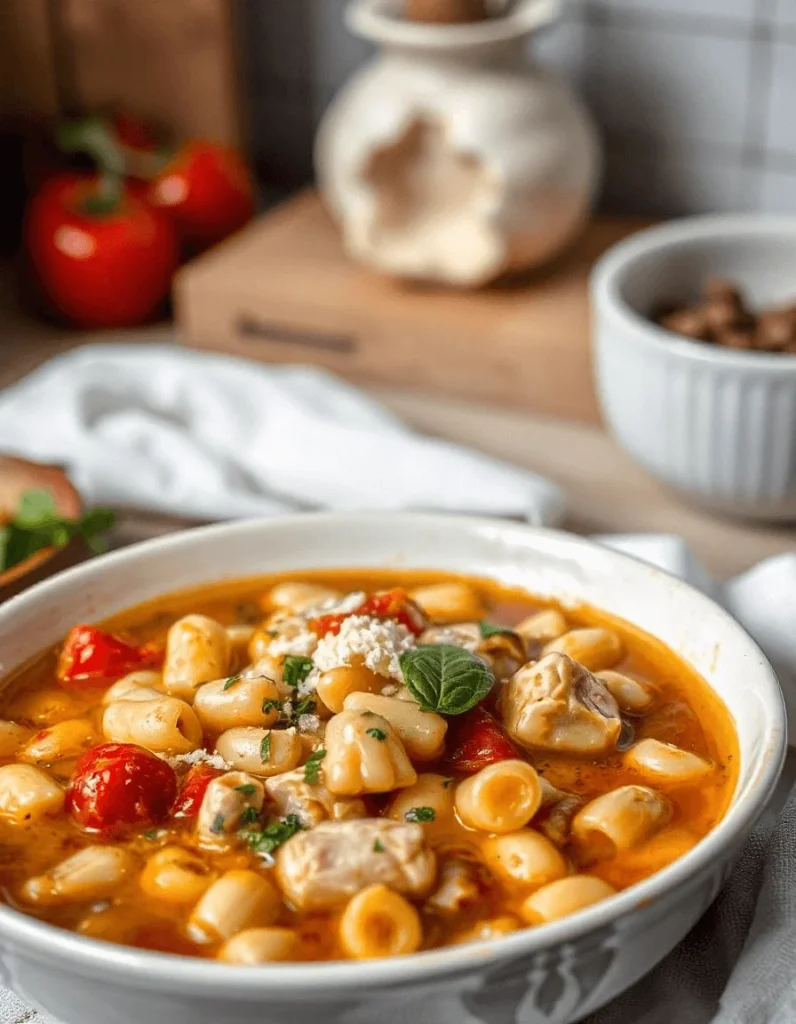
x=553, y=974
x=719, y=425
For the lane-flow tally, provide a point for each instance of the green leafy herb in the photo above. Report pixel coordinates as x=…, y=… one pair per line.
x=295, y=670
x=249, y=816
x=218, y=825
x=420, y=814
x=267, y=840
x=312, y=769
x=230, y=682
x=248, y=789
x=265, y=748
x=37, y=524
x=488, y=629
x=378, y=846
x=377, y=734
x=153, y=833
x=271, y=705
x=448, y=782
x=445, y=679
x=305, y=706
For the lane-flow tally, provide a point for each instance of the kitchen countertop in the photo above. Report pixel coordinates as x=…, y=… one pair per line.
x=606, y=492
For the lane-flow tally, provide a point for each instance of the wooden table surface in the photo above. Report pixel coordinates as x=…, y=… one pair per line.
x=606, y=492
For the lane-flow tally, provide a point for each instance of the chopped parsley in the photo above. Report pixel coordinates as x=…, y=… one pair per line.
x=295, y=670
x=377, y=734
x=312, y=769
x=448, y=782
x=230, y=682
x=249, y=816
x=488, y=629
x=270, y=705
x=265, y=748
x=217, y=828
x=420, y=814
x=266, y=840
x=248, y=789
x=153, y=833
x=378, y=846
x=306, y=706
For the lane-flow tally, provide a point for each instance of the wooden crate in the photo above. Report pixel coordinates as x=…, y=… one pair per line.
x=284, y=292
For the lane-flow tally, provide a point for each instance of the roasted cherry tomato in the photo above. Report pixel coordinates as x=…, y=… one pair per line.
x=193, y=790
x=478, y=741
x=207, y=191
x=120, y=784
x=92, y=658
x=390, y=604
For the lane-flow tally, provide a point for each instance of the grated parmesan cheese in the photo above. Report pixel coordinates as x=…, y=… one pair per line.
x=375, y=643
x=199, y=756
x=293, y=638
x=309, y=724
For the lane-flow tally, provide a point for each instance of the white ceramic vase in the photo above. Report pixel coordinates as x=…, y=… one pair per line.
x=452, y=158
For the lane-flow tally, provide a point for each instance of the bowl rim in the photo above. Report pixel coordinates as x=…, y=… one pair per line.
x=607, y=276
x=168, y=972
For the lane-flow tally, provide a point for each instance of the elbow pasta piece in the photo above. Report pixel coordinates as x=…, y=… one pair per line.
x=222, y=705
x=594, y=648
x=263, y=752
x=430, y=790
x=564, y=897
x=91, y=874
x=619, y=820
x=364, y=754
x=239, y=900
x=175, y=875
x=12, y=737
x=260, y=946
x=490, y=928
x=422, y=732
x=502, y=797
x=378, y=922
x=224, y=803
x=143, y=685
x=165, y=726
x=197, y=650
x=27, y=794
x=66, y=739
x=524, y=858
x=312, y=803
x=665, y=764
x=542, y=627
x=266, y=665
x=449, y=602
x=334, y=686
x=239, y=639
x=297, y=598
x=634, y=696
x=41, y=708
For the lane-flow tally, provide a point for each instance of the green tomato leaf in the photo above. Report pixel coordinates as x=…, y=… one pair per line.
x=445, y=679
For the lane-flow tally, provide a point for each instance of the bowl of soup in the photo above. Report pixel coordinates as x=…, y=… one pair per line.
x=367, y=766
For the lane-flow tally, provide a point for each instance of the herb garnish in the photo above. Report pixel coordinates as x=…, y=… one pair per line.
x=249, y=816
x=230, y=682
x=420, y=814
x=446, y=783
x=268, y=839
x=305, y=706
x=217, y=827
x=312, y=768
x=270, y=705
x=295, y=670
x=37, y=524
x=248, y=789
x=265, y=748
x=488, y=629
x=378, y=846
x=377, y=734
x=153, y=833
x=445, y=679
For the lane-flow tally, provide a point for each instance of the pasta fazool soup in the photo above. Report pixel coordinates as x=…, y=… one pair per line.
x=349, y=765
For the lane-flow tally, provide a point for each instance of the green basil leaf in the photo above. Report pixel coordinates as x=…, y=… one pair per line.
x=445, y=679
x=488, y=629
x=35, y=508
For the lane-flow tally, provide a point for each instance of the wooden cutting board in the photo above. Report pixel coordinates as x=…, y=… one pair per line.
x=283, y=291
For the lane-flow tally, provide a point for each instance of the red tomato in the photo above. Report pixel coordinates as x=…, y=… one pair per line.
x=92, y=658
x=193, y=790
x=478, y=741
x=208, y=192
x=110, y=269
x=120, y=784
x=392, y=604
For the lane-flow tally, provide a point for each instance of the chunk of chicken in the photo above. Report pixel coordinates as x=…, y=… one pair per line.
x=311, y=804
x=364, y=754
x=227, y=799
x=554, y=817
x=457, y=888
x=556, y=704
x=322, y=869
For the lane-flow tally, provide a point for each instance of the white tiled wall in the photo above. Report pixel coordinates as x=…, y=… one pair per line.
x=696, y=98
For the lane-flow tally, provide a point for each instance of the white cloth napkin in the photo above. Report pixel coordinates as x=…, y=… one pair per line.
x=192, y=434
x=736, y=966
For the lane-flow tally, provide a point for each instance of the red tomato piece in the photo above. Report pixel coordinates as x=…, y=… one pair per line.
x=119, y=784
x=478, y=741
x=193, y=790
x=326, y=624
x=92, y=658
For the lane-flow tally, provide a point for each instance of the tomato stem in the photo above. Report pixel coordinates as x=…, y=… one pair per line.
x=92, y=136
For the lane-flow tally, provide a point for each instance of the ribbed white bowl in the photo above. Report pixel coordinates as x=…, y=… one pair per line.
x=717, y=424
